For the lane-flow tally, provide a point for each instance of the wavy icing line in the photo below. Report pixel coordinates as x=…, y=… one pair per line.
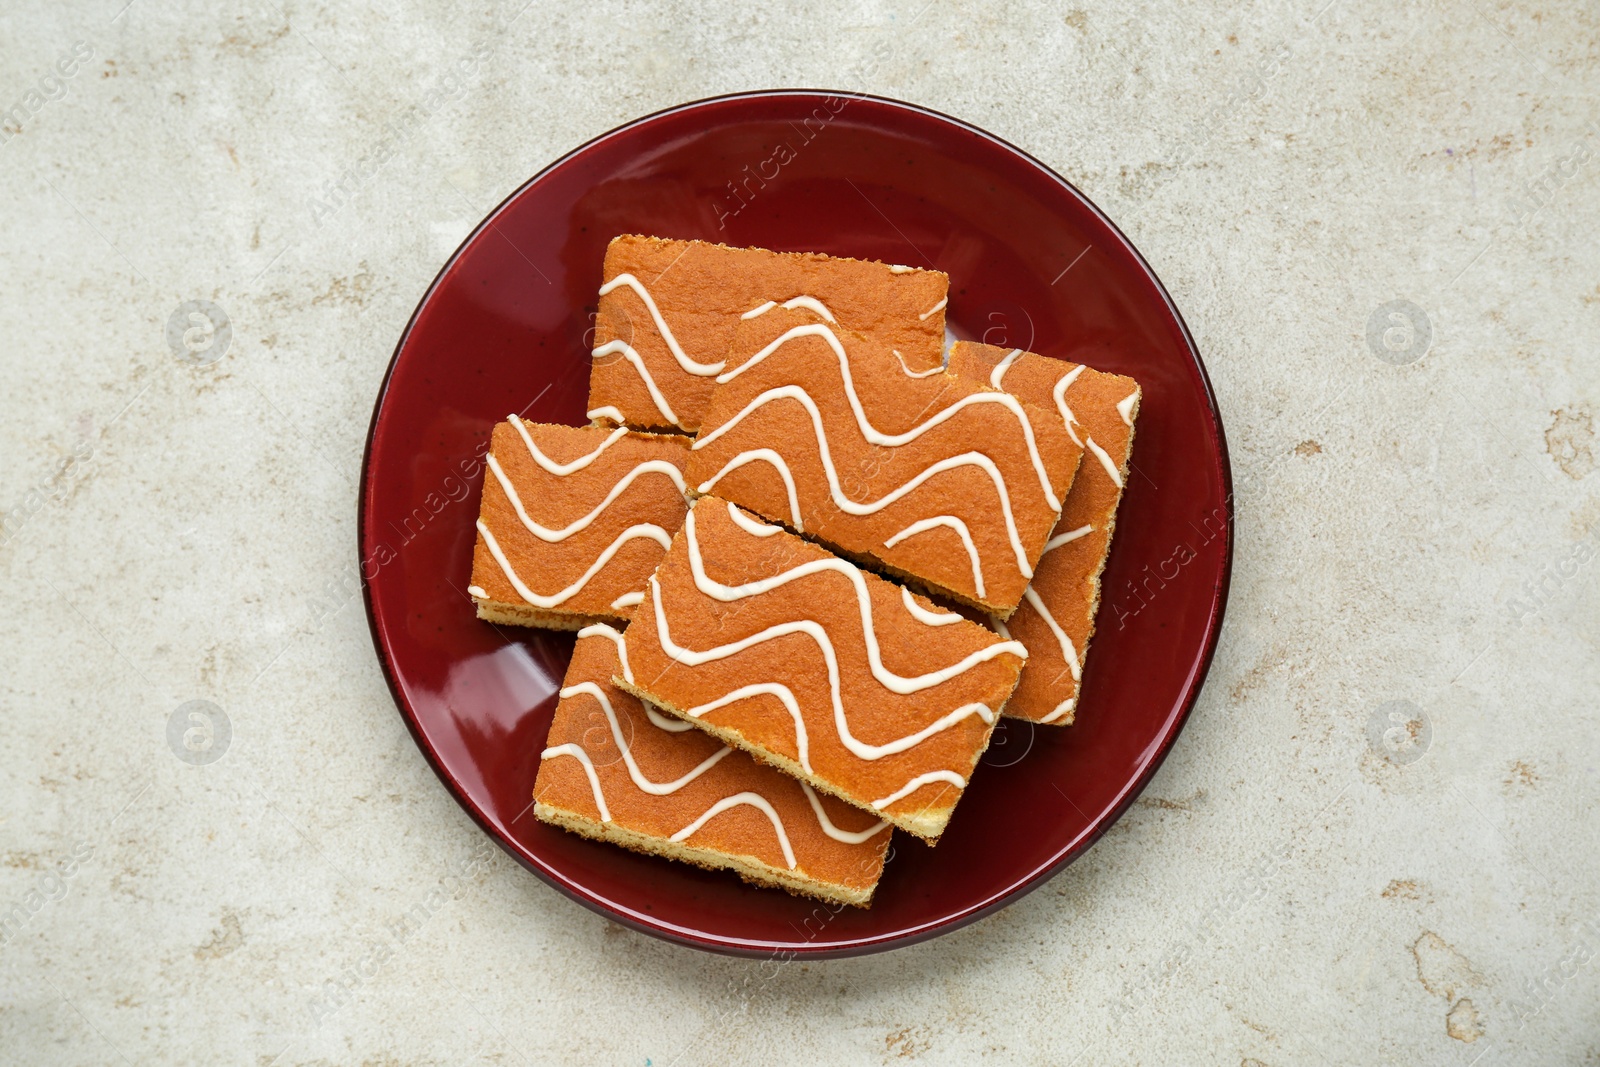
x=810, y=303
x=936, y=308
x=891, y=681
x=871, y=432
x=836, y=490
x=1125, y=407
x=1066, y=539
x=645, y=785
x=917, y=783
x=1060, y=395
x=930, y=372
x=923, y=615
x=754, y=800
x=762, y=455
x=643, y=529
x=664, y=722
x=935, y=522
x=562, y=470
x=997, y=375
x=689, y=365
x=629, y=354
x=649, y=466
x=818, y=307
x=1060, y=710
x=1068, y=651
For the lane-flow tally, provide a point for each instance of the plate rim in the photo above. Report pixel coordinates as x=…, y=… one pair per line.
x=1019, y=888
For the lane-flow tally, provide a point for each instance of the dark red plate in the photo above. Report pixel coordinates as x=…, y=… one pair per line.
x=1032, y=263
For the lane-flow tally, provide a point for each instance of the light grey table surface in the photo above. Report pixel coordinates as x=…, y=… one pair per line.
x=1417, y=522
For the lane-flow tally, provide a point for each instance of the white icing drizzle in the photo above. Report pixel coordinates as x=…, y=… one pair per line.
x=930, y=372
x=1067, y=538
x=1000, y=628
x=644, y=529
x=857, y=747
x=600, y=629
x=888, y=679
x=846, y=836
x=655, y=789
x=836, y=490
x=810, y=303
x=664, y=722
x=1125, y=407
x=477, y=591
x=644, y=373
x=802, y=741
x=1060, y=394
x=754, y=800
x=936, y=521
x=628, y=600
x=1105, y=461
x=762, y=455
x=561, y=470
x=936, y=308
x=751, y=526
x=895, y=268
x=607, y=412
x=871, y=432
x=917, y=783
x=689, y=365
x=582, y=757
x=999, y=372
x=1068, y=651
x=649, y=466
x=1060, y=710
x=923, y=615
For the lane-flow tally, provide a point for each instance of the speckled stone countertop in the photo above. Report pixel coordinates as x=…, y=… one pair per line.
x=1375, y=841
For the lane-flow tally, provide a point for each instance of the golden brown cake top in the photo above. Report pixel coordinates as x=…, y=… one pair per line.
x=574, y=518
x=612, y=759
x=847, y=680
x=1058, y=618
x=935, y=477
x=668, y=310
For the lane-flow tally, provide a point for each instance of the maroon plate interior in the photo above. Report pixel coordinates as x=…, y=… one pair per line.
x=505, y=327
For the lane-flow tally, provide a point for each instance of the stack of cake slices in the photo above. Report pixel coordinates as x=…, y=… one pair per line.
x=811, y=558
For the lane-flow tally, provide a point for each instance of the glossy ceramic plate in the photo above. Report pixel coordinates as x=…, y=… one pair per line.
x=1032, y=264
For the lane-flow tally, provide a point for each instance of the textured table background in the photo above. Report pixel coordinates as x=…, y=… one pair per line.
x=1318, y=875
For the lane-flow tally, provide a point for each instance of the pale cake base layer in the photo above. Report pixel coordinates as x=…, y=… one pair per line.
x=509, y=614
x=928, y=827
x=749, y=868
x=878, y=566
